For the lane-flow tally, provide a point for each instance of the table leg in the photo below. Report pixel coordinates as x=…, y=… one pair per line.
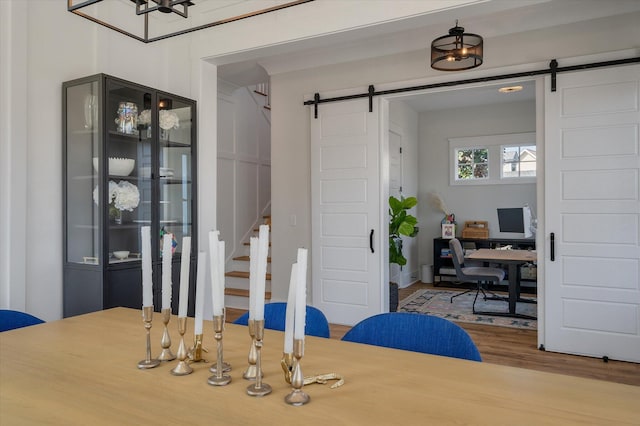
x=514, y=290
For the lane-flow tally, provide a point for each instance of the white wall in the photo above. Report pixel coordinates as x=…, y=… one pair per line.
x=244, y=168
x=473, y=202
x=404, y=120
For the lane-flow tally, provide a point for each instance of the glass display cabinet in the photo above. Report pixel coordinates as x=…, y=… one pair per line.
x=129, y=160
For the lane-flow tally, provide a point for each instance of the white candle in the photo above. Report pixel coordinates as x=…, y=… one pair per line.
x=166, y=271
x=219, y=299
x=147, y=278
x=213, y=261
x=185, y=262
x=291, y=304
x=263, y=250
x=253, y=275
x=200, y=283
x=301, y=295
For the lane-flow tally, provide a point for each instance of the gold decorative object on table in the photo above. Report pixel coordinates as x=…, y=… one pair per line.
x=251, y=371
x=219, y=378
x=287, y=367
x=297, y=397
x=165, y=342
x=226, y=367
x=147, y=316
x=182, y=368
x=195, y=353
x=258, y=388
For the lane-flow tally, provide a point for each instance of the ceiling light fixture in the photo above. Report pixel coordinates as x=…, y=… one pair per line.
x=148, y=27
x=456, y=51
x=510, y=89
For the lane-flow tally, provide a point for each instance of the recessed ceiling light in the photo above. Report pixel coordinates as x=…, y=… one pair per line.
x=510, y=89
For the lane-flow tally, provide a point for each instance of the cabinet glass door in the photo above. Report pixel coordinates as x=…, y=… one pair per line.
x=175, y=127
x=129, y=163
x=82, y=188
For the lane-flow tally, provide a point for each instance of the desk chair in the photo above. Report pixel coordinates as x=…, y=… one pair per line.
x=10, y=320
x=415, y=332
x=479, y=274
x=316, y=323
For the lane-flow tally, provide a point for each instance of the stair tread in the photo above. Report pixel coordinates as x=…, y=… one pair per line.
x=247, y=258
x=242, y=274
x=243, y=293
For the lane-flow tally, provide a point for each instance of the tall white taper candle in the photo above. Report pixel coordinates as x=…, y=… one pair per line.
x=185, y=262
x=214, y=265
x=219, y=300
x=301, y=295
x=200, y=283
x=263, y=250
x=290, y=312
x=253, y=275
x=147, y=278
x=166, y=271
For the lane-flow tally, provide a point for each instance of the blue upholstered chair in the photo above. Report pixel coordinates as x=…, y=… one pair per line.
x=10, y=320
x=316, y=323
x=415, y=332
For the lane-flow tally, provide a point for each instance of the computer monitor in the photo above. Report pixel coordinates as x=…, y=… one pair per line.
x=511, y=220
x=516, y=219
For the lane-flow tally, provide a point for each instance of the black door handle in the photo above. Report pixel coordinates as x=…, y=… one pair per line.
x=552, y=240
x=371, y=241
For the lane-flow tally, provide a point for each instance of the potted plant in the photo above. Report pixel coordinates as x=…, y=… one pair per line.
x=400, y=223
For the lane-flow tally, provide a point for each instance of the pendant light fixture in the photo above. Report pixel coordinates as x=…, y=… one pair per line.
x=456, y=51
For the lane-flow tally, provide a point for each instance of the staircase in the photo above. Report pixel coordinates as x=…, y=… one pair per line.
x=237, y=280
x=263, y=90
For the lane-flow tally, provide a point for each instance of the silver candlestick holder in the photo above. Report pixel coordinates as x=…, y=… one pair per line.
x=226, y=367
x=297, y=396
x=251, y=371
x=182, y=368
x=258, y=388
x=147, y=316
x=165, y=342
x=219, y=378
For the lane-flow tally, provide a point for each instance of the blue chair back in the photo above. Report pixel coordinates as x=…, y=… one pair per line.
x=415, y=332
x=316, y=323
x=10, y=320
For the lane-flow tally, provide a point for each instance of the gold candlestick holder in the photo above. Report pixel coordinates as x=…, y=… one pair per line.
x=147, y=316
x=182, y=368
x=165, y=342
x=251, y=371
x=226, y=367
x=219, y=378
x=258, y=388
x=297, y=397
x=195, y=352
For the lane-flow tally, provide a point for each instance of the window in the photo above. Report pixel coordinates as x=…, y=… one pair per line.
x=472, y=163
x=493, y=159
x=518, y=161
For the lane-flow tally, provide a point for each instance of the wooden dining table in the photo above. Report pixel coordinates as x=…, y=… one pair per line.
x=83, y=370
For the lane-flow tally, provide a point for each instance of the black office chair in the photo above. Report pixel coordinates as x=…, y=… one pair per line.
x=478, y=274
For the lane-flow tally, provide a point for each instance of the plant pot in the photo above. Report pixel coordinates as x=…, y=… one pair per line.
x=393, y=297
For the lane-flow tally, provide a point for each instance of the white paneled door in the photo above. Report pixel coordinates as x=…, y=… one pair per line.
x=346, y=214
x=592, y=198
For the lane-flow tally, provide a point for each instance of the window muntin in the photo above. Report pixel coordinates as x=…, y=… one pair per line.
x=518, y=161
x=472, y=163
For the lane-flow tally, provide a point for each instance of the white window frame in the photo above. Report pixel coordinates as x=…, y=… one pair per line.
x=494, y=144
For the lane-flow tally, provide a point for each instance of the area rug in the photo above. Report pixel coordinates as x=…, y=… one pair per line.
x=437, y=303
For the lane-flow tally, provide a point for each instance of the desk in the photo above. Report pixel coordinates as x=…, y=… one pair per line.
x=82, y=371
x=512, y=258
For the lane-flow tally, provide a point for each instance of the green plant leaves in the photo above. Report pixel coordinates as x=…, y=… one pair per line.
x=400, y=223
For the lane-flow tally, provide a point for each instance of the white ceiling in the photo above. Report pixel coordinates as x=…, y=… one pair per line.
x=490, y=19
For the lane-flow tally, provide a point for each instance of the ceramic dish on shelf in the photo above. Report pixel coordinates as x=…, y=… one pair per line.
x=117, y=166
x=122, y=254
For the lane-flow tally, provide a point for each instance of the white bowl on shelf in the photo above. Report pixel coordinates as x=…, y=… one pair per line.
x=117, y=166
x=122, y=254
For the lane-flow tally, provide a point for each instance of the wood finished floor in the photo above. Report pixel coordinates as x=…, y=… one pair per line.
x=518, y=348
